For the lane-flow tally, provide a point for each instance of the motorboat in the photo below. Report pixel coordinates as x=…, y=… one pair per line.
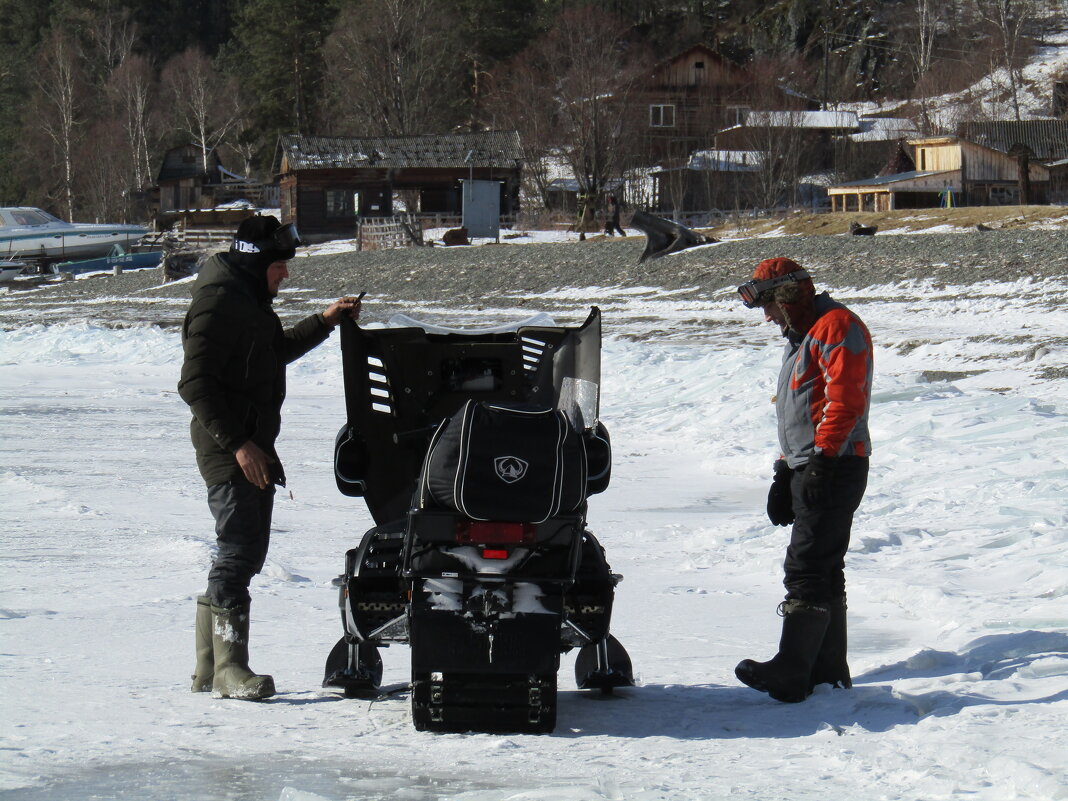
x=30, y=233
x=117, y=257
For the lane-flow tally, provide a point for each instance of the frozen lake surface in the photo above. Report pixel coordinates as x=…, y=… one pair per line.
x=958, y=575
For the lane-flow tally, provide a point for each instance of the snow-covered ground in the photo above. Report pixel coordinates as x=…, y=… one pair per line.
x=958, y=577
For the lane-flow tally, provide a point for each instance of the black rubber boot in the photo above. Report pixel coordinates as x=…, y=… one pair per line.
x=233, y=678
x=205, y=669
x=786, y=677
x=831, y=666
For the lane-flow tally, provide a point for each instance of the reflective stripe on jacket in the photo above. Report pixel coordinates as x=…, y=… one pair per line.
x=825, y=387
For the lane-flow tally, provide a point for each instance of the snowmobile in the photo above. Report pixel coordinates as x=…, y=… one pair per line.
x=475, y=452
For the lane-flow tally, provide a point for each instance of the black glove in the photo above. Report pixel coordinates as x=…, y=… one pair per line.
x=816, y=480
x=780, y=499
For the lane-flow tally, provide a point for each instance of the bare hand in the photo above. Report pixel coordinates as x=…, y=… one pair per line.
x=255, y=464
x=343, y=307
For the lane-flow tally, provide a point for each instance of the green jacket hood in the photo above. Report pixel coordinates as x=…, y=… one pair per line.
x=219, y=271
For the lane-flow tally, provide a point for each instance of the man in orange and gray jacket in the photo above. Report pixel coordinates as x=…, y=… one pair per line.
x=824, y=394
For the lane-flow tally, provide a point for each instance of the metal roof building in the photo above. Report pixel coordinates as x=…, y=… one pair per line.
x=1047, y=140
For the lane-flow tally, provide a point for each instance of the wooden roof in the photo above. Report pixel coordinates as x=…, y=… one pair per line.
x=497, y=149
x=186, y=161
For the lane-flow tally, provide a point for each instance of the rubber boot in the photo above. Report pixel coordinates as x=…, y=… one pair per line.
x=831, y=666
x=786, y=677
x=205, y=669
x=233, y=678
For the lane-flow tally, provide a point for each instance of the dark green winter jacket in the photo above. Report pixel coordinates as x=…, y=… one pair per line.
x=234, y=374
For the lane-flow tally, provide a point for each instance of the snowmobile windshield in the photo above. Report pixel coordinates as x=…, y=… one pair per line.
x=577, y=374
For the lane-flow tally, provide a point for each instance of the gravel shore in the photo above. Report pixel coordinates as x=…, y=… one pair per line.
x=508, y=275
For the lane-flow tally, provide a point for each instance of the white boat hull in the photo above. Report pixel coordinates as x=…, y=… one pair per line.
x=53, y=239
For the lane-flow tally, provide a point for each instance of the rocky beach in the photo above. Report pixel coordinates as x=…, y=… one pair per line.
x=455, y=285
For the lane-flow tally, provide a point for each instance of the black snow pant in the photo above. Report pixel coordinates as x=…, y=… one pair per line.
x=815, y=559
x=242, y=513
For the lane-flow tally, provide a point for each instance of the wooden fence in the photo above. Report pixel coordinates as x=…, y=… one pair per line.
x=384, y=233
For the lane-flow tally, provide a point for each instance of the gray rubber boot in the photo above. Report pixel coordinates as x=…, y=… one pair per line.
x=205, y=669
x=831, y=666
x=233, y=678
x=786, y=676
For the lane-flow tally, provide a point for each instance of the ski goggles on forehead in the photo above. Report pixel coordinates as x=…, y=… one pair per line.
x=759, y=293
x=286, y=237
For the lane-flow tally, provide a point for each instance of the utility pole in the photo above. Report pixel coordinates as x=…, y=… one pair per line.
x=826, y=65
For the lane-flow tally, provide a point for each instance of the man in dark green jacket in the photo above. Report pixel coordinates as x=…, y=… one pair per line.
x=233, y=379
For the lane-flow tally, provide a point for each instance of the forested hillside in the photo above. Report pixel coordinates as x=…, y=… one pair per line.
x=94, y=91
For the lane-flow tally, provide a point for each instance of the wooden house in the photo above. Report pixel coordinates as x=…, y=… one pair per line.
x=194, y=197
x=1045, y=139
x=183, y=177
x=687, y=98
x=811, y=135
x=712, y=179
x=328, y=183
x=949, y=170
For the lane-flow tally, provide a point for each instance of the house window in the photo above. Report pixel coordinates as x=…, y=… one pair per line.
x=339, y=203
x=735, y=115
x=661, y=116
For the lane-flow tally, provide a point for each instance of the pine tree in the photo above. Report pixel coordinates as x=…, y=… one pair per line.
x=276, y=55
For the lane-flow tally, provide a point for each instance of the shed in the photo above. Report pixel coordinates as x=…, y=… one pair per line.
x=182, y=178
x=917, y=189
x=712, y=179
x=973, y=174
x=328, y=183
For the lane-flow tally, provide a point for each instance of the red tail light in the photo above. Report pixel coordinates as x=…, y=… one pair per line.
x=493, y=532
x=494, y=553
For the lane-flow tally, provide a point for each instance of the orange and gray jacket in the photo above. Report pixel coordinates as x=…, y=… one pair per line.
x=825, y=387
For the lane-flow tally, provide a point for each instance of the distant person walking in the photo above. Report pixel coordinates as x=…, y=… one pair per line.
x=233, y=379
x=611, y=224
x=822, y=404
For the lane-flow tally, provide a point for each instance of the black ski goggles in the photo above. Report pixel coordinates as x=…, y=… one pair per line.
x=755, y=294
x=287, y=238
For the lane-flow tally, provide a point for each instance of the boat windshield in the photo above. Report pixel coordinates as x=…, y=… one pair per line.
x=32, y=217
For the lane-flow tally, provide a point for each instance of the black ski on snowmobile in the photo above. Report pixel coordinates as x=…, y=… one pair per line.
x=475, y=453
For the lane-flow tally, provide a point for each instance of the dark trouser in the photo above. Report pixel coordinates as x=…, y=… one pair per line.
x=815, y=559
x=242, y=515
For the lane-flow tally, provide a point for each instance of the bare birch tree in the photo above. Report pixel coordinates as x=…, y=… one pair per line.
x=130, y=90
x=927, y=16
x=589, y=74
x=520, y=99
x=392, y=65
x=1010, y=21
x=204, y=102
x=57, y=83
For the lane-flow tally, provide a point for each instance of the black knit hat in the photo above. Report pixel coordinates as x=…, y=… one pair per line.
x=257, y=244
